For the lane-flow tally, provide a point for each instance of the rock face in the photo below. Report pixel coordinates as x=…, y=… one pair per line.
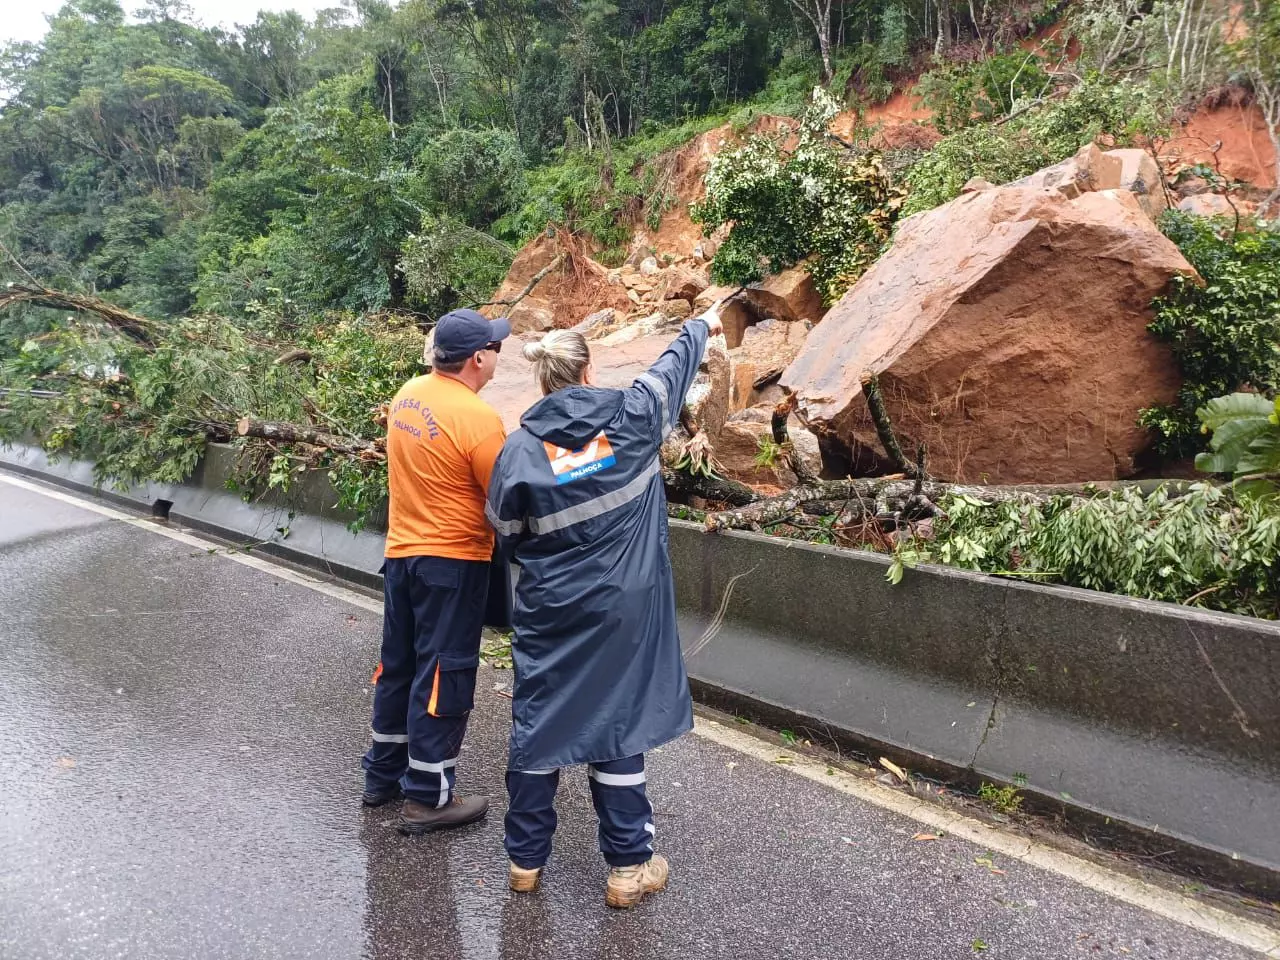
x=1141, y=176
x=1008, y=332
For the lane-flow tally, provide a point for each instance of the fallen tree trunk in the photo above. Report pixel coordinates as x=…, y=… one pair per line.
x=709, y=488
x=138, y=329
x=282, y=432
x=881, y=490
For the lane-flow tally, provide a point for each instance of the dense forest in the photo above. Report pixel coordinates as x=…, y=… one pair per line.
x=323, y=189
x=385, y=156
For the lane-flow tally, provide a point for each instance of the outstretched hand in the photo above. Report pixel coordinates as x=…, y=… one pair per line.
x=712, y=318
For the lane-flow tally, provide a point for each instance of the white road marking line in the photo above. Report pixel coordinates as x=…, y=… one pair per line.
x=1163, y=903
x=192, y=540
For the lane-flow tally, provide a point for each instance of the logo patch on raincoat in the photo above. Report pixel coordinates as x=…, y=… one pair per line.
x=570, y=465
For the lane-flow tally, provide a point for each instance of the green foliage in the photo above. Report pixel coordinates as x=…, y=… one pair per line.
x=1006, y=800
x=447, y=264
x=1245, y=442
x=474, y=176
x=814, y=201
x=140, y=415
x=960, y=94
x=1206, y=546
x=1032, y=140
x=996, y=154
x=1225, y=332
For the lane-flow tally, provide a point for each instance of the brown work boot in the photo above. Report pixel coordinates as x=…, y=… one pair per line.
x=627, y=885
x=417, y=817
x=523, y=879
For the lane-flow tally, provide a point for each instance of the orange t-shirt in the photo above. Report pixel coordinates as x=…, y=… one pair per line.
x=442, y=441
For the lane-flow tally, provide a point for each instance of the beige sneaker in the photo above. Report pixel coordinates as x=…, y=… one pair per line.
x=627, y=885
x=522, y=880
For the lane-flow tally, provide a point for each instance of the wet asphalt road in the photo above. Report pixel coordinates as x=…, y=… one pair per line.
x=179, y=778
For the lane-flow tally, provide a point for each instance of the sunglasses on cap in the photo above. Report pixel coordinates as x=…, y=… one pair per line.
x=495, y=346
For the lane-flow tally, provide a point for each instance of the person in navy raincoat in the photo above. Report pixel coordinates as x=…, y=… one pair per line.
x=577, y=501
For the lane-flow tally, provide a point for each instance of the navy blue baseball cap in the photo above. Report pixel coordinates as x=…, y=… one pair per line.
x=460, y=333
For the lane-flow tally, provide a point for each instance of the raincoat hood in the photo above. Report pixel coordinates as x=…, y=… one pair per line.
x=573, y=416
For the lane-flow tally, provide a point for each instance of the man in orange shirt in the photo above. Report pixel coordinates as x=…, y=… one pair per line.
x=442, y=441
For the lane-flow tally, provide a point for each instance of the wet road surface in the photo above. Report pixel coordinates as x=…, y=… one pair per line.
x=179, y=777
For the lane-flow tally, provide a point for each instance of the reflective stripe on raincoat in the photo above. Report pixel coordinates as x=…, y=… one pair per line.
x=577, y=501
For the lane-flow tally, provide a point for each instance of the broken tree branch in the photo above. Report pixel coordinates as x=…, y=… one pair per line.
x=297, y=355
x=920, y=495
x=782, y=437
x=884, y=427
x=138, y=329
x=536, y=279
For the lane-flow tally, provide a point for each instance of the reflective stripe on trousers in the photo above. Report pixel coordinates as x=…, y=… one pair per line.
x=621, y=804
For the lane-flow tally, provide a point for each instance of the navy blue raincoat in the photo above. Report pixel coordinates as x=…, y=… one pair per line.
x=577, y=501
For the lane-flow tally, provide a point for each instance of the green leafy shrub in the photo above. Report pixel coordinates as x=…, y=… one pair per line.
x=1205, y=546
x=996, y=154
x=816, y=201
x=1245, y=429
x=473, y=176
x=1041, y=136
x=1225, y=333
x=447, y=264
x=963, y=93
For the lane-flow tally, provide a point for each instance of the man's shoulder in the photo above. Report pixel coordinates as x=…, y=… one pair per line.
x=412, y=388
x=479, y=411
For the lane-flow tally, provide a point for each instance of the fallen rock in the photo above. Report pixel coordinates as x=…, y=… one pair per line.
x=977, y=185
x=683, y=283
x=1089, y=170
x=1192, y=186
x=1141, y=176
x=647, y=327
x=736, y=314
x=1008, y=330
x=766, y=350
x=649, y=266
x=595, y=322
x=676, y=309
x=532, y=315
x=708, y=398
x=1207, y=205
x=790, y=295
x=738, y=449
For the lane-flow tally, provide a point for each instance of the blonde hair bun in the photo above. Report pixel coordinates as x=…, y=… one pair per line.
x=559, y=359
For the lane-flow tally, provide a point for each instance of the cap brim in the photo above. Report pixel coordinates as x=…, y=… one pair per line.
x=499, y=329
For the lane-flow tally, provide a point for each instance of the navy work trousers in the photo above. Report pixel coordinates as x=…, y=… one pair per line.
x=617, y=792
x=433, y=616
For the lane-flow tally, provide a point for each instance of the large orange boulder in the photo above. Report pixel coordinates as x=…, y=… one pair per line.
x=1008, y=331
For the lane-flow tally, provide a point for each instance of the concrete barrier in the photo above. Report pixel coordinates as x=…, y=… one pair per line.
x=304, y=526
x=1162, y=718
